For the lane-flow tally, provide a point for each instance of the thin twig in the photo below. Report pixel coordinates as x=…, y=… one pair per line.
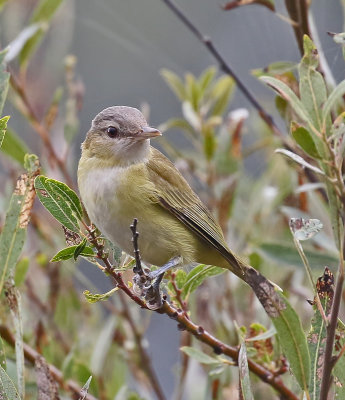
x=329, y=361
x=298, y=12
x=184, y=323
x=31, y=355
x=225, y=66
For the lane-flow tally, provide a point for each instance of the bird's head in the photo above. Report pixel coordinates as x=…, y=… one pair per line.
x=120, y=135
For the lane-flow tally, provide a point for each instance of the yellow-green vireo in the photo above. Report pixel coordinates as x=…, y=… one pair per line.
x=122, y=177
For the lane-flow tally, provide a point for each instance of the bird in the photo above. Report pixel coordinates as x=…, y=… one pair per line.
x=121, y=177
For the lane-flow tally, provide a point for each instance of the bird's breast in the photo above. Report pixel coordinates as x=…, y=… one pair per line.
x=113, y=197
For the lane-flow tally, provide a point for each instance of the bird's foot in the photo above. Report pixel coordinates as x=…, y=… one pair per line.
x=147, y=285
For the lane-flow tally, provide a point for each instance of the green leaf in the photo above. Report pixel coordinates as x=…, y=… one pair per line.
x=13, y=234
x=206, y=78
x=7, y=389
x=334, y=207
x=245, y=387
x=175, y=84
x=197, y=276
x=193, y=91
x=286, y=93
x=335, y=96
x=14, y=147
x=69, y=252
x=61, y=201
x=220, y=95
x=3, y=127
x=288, y=255
x=180, y=278
x=4, y=80
x=82, y=373
x=210, y=144
x=95, y=297
x=43, y=13
x=16, y=46
x=317, y=334
x=199, y=356
x=21, y=270
x=79, y=249
x=304, y=139
x=85, y=389
x=276, y=68
x=293, y=342
x=298, y=159
x=2, y=355
x=312, y=85
x=31, y=162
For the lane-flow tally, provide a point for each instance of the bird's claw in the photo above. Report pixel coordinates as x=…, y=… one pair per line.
x=147, y=287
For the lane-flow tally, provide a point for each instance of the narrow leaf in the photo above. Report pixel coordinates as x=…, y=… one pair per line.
x=20, y=271
x=245, y=387
x=17, y=218
x=294, y=343
x=299, y=160
x=312, y=85
x=283, y=254
x=60, y=201
x=220, y=94
x=175, y=83
x=69, y=252
x=286, y=93
x=304, y=139
x=2, y=355
x=334, y=207
x=79, y=249
x=85, y=388
x=197, y=276
x=206, y=78
x=3, y=127
x=199, y=355
x=317, y=333
x=16, y=46
x=4, y=80
x=7, y=389
x=95, y=297
x=14, y=147
x=43, y=13
x=274, y=69
x=335, y=96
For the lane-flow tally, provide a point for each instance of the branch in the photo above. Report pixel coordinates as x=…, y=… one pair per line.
x=225, y=66
x=31, y=355
x=298, y=12
x=329, y=361
x=184, y=323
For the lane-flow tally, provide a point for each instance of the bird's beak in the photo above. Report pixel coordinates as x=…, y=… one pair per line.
x=148, y=133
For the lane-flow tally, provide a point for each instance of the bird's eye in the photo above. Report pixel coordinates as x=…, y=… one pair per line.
x=112, y=131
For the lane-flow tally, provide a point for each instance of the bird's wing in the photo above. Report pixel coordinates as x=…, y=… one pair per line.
x=176, y=196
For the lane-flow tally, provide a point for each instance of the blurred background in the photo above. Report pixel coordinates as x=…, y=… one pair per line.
x=113, y=52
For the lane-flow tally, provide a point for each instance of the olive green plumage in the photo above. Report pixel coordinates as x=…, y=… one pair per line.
x=121, y=177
